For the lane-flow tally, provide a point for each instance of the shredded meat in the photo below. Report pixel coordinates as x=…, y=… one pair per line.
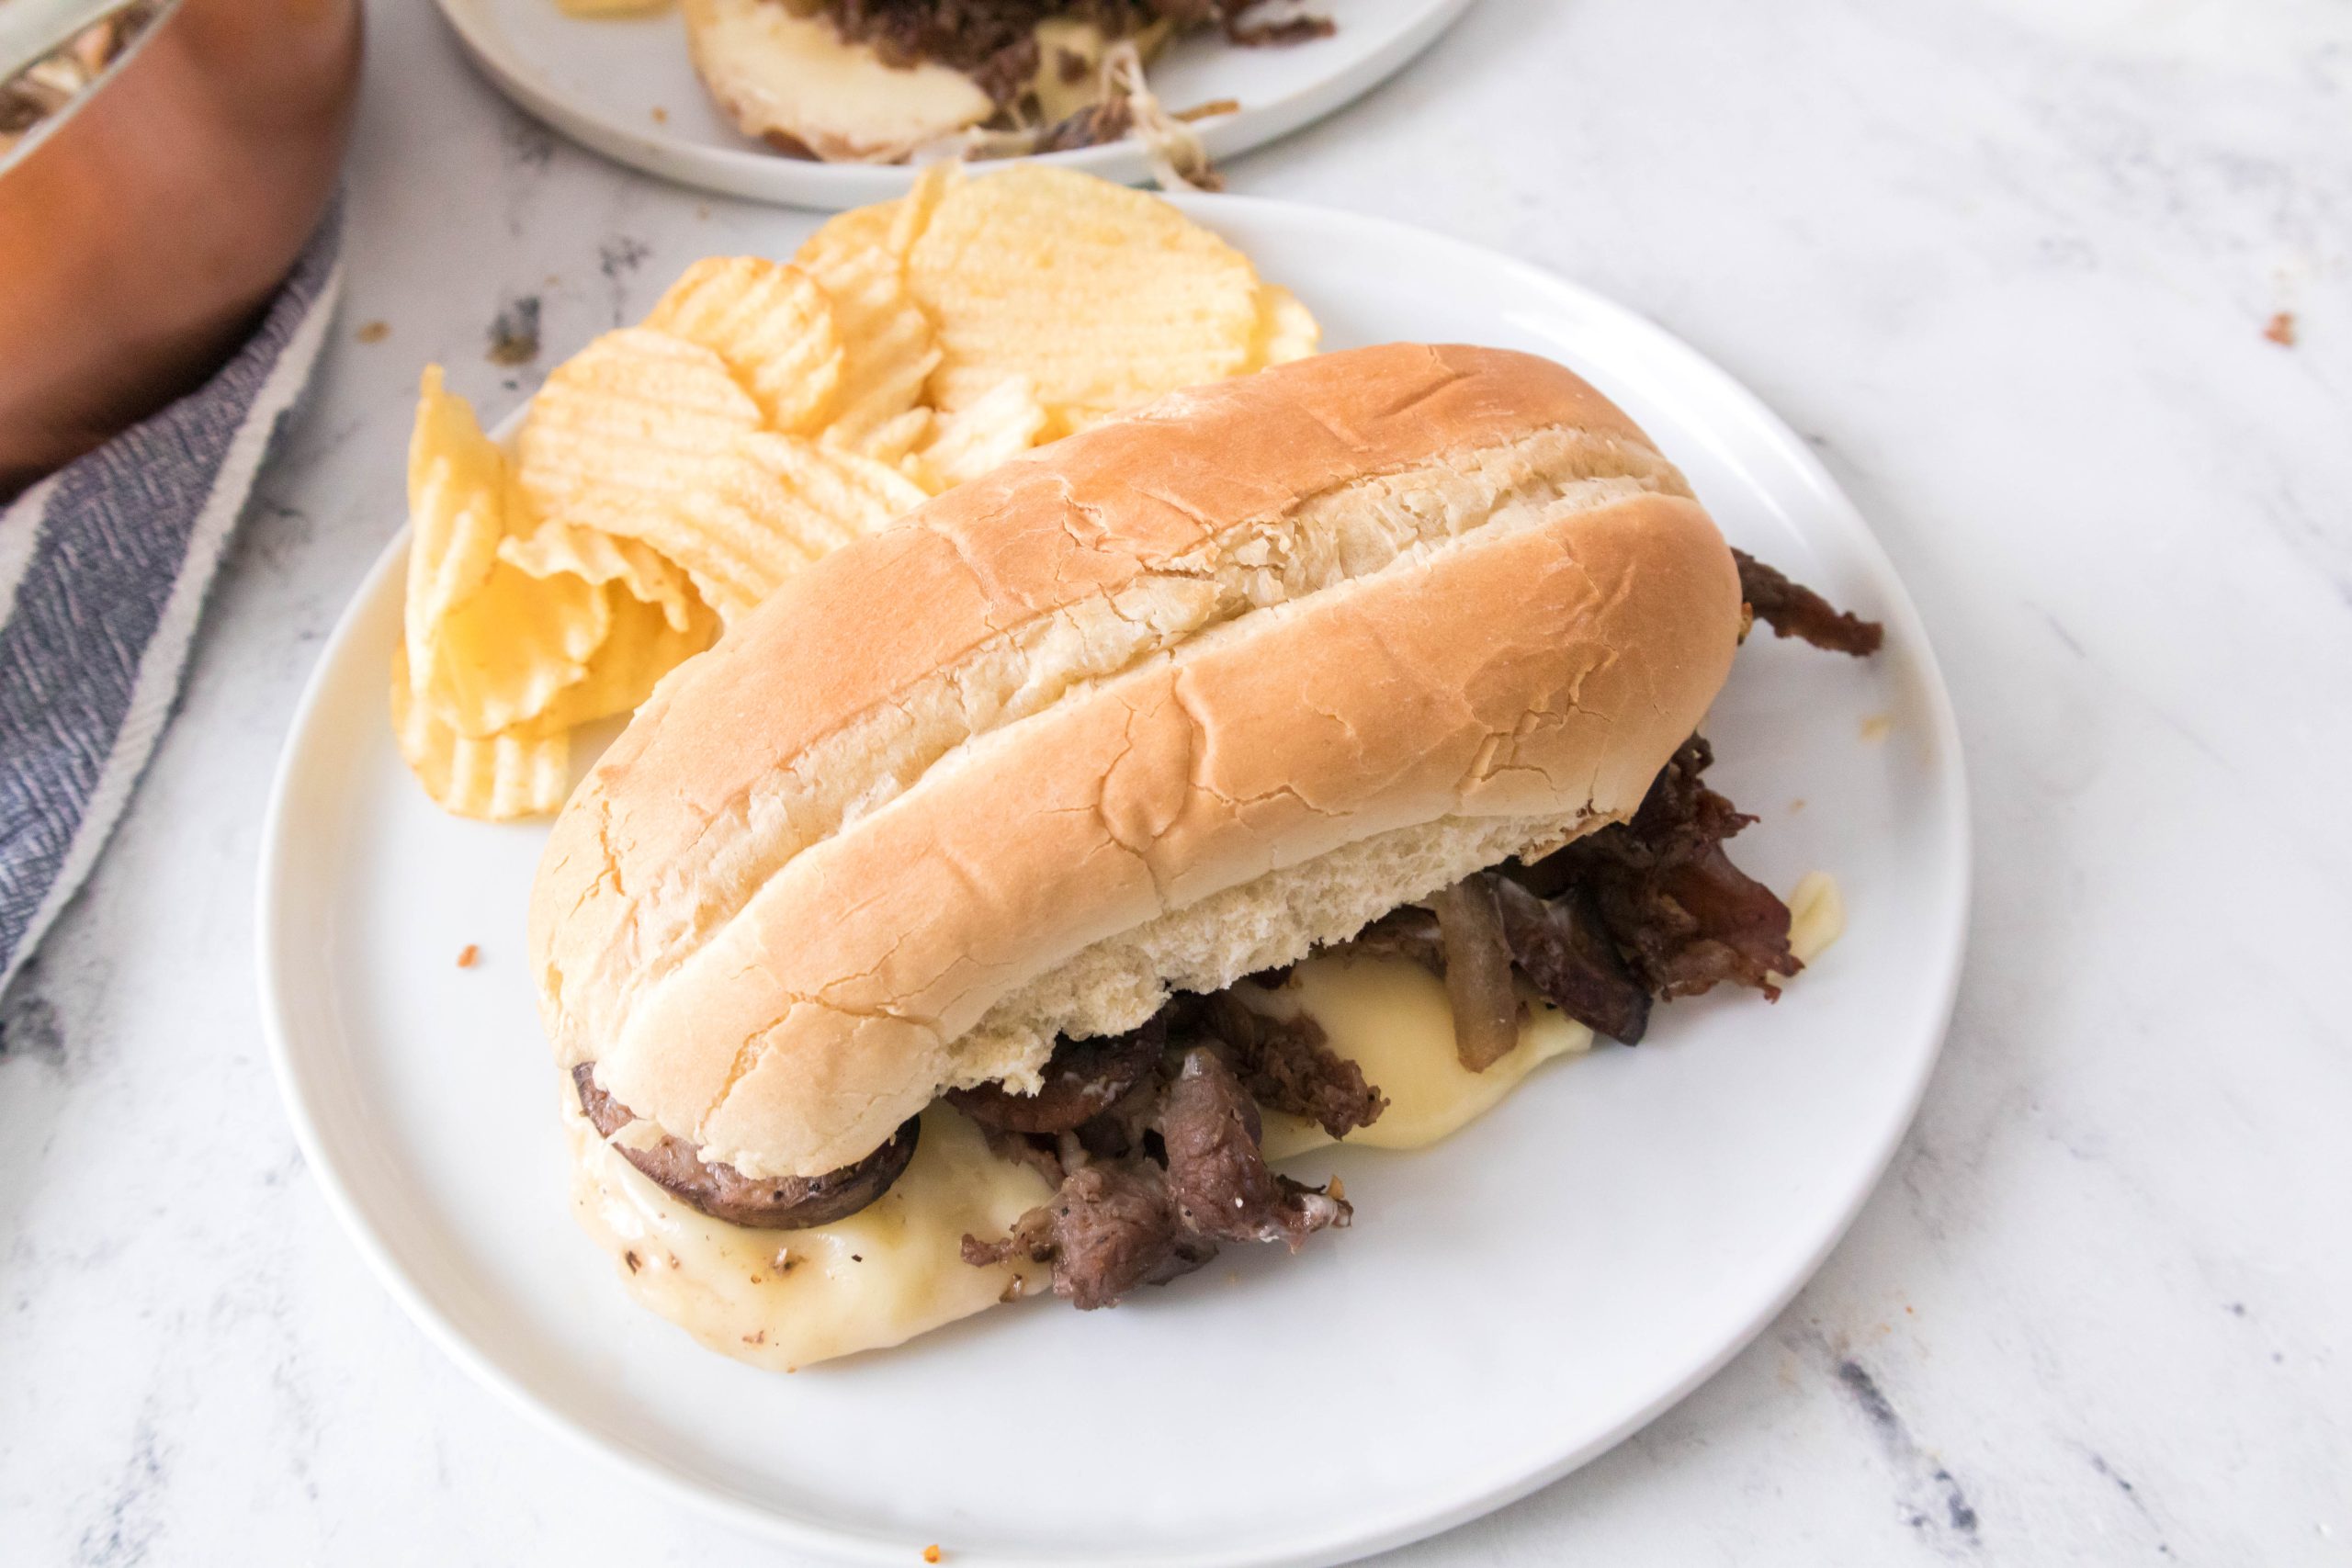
x=1083, y=1080
x=1090, y=126
x=1217, y=1174
x=995, y=42
x=1112, y=1229
x=1792, y=609
x=1560, y=945
x=1117, y=1224
x=1682, y=916
x=1284, y=1063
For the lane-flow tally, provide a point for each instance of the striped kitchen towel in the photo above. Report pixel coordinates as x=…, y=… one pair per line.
x=104, y=567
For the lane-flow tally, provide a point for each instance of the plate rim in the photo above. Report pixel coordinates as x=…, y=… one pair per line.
x=1346, y=1541
x=768, y=178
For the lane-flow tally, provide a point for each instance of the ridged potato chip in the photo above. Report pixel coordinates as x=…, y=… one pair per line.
x=732, y=557
x=1103, y=297
x=895, y=440
x=501, y=656
x=771, y=323
x=742, y=521
x=557, y=546
x=457, y=505
x=1004, y=422
x=822, y=498
x=893, y=225
x=487, y=646
x=511, y=774
x=642, y=648
x=636, y=411
x=888, y=349
x=1286, y=331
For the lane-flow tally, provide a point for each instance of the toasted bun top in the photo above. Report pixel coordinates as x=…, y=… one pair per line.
x=1172, y=700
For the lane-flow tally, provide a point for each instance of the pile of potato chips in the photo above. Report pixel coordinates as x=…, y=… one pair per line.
x=669, y=475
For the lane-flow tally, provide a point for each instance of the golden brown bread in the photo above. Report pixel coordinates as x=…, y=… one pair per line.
x=1175, y=699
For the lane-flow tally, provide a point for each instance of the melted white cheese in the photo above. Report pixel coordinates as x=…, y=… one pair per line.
x=1816, y=915
x=785, y=1298
x=1389, y=1016
x=1059, y=98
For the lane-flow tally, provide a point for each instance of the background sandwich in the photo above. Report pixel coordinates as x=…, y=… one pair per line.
x=875, y=81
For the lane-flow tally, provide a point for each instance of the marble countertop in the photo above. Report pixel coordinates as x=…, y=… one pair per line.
x=2009, y=265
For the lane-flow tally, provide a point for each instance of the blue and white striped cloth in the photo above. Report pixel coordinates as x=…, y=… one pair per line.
x=104, y=567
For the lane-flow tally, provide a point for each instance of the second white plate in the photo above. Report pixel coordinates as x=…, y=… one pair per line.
x=625, y=87
x=1507, y=1305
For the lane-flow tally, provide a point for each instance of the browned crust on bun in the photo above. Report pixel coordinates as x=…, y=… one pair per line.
x=1196, y=689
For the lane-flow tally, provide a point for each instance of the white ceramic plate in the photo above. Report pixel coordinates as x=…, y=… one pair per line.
x=625, y=87
x=1507, y=1304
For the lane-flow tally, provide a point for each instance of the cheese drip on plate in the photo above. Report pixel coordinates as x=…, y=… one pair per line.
x=782, y=1299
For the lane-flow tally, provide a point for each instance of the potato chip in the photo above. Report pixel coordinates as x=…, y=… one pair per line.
x=824, y=498
x=457, y=506
x=1103, y=297
x=894, y=440
x=503, y=655
x=503, y=776
x=636, y=411
x=642, y=648
x=1286, y=331
x=893, y=225
x=742, y=521
x=487, y=646
x=912, y=212
x=772, y=326
x=888, y=350
x=1004, y=422
x=847, y=235
x=645, y=574
x=733, y=559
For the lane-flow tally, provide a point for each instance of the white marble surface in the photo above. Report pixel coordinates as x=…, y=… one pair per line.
x=2009, y=262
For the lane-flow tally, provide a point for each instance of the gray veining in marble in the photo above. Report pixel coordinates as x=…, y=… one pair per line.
x=2007, y=263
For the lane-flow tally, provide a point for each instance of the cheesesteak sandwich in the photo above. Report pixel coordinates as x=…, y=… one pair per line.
x=1303, y=758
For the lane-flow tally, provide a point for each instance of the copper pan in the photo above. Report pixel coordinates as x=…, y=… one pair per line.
x=141, y=232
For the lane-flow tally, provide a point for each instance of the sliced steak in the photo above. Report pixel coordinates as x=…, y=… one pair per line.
x=1284, y=1062
x=1792, y=609
x=1112, y=1229
x=1117, y=1224
x=1083, y=1080
x=788, y=1203
x=1560, y=945
x=1682, y=916
x=1218, y=1176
